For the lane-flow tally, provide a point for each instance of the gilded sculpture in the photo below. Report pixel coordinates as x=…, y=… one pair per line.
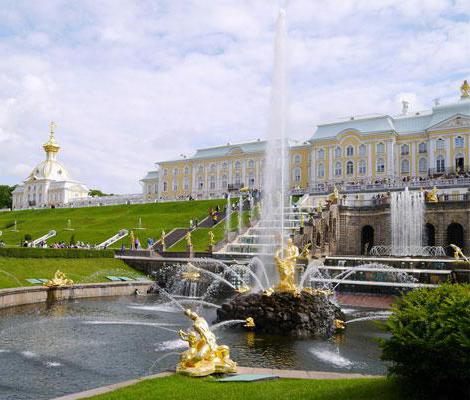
x=286, y=260
x=334, y=197
x=204, y=356
x=211, y=238
x=189, y=241
x=458, y=254
x=162, y=240
x=59, y=280
x=465, y=89
x=431, y=196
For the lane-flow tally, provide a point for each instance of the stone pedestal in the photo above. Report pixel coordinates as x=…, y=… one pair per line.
x=189, y=249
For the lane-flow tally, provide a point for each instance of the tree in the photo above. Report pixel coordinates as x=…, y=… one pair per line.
x=97, y=193
x=6, y=196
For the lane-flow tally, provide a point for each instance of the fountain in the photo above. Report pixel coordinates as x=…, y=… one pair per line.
x=407, y=217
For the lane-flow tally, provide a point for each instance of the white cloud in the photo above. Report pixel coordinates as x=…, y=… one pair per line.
x=133, y=82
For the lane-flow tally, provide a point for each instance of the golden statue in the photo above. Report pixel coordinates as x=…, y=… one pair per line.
x=132, y=238
x=339, y=324
x=189, y=242
x=249, y=323
x=59, y=280
x=465, y=89
x=320, y=207
x=286, y=260
x=333, y=197
x=305, y=253
x=191, y=274
x=162, y=240
x=211, y=238
x=458, y=253
x=204, y=356
x=431, y=196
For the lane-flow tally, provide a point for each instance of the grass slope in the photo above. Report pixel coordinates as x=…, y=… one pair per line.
x=179, y=387
x=96, y=224
x=15, y=271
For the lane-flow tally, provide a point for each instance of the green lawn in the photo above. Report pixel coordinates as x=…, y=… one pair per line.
x=96, y=224
x=15, y=271
x=179, y=387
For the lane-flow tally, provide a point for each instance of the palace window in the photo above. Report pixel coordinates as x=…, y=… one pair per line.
x=440, y=164
x=440, y=144
x=380, y=165
x=186, y=170
x=251, y=180
x=212, y=182
x=212, y=167
x=238, y=179
x=224, y=165
x=175, y=186
x=224, y=182
x=459, y=142
x=297, y=159
x=238, y=165
x=362, y=150
x=200, y=183
x=165, y=172
x=321, y=171
x=297, y=175
x=362, y=167
x=338, y=171
x=338, y=152
x=405, y=167
x=186, y=183
x=423, y=165
x=405, y=150
x=251, y=164
x=175, y=171
x=422, y=148
x=165, y=186
x=349, y=151
x=200, y=169
x=321, y=154
x=349, y=168
x=380, y=148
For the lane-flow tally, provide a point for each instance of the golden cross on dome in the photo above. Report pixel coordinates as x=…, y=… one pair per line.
x=52, y=127
x=465, y=89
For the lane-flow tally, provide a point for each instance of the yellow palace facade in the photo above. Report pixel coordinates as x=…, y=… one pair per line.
x=361, y=149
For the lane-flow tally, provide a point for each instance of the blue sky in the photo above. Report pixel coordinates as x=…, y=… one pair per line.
x=133, y=82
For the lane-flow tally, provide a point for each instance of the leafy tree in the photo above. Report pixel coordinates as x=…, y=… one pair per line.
x=97, y=193
x=6, y=196
x=429, y=346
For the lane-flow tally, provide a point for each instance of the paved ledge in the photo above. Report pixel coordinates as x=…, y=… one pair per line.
x=281, y=373
x=38, y=294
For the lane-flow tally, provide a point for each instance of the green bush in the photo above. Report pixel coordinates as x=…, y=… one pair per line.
x=28, y=237
x=429, y=345
x=29, y=252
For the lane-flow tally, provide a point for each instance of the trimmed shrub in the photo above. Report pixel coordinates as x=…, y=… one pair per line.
x=429, y=345
x=29, y=252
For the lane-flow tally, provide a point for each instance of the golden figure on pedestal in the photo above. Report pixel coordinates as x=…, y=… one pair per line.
x=431, y=196
x=286, y=260
x=211, y=238
x=465, y=89
x=204, y=356
x=458, y=254
x=162, y=240
x=189, y=242
x=334, y=197
x=59, y=280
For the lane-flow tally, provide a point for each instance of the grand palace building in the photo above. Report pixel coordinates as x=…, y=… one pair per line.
x=411, y=146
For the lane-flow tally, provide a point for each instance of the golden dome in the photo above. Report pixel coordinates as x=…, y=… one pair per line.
x=51, y=146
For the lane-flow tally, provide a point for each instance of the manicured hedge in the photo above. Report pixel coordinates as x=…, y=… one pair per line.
x=28, y=252
x=429, y=345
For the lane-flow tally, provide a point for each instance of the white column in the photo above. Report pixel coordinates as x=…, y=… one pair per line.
x=312, y=177
x=449, y=163
x=431, y=150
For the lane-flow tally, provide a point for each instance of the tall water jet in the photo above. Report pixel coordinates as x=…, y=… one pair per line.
x=407, y=219
x=228, y=216
x=275, y=167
